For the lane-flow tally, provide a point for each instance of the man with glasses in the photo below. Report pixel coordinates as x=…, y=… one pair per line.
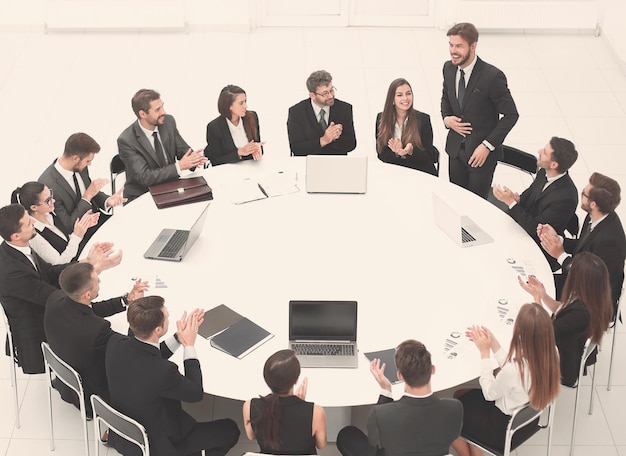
x=321, y=124
x=601, y=233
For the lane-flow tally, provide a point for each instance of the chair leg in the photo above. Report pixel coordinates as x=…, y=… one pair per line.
x=50, y=409
x=593, y=388
x=608, y=386
x=571, y=445
x=550, y=424
x=15, y=392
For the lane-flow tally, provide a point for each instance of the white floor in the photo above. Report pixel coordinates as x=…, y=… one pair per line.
x=56, y=84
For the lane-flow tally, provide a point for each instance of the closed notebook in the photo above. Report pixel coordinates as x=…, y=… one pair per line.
x=217, y=319
x=241, y=338
x=387, y=357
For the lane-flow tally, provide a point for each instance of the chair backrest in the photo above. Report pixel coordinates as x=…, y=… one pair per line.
x=63, y=371
x=572, y=226
x=116, y=167
x=121, y=424
x=522, y=417
x=519, y=159
x=590, y=347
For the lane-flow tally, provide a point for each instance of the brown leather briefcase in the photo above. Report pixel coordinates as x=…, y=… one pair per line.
x=181, y=191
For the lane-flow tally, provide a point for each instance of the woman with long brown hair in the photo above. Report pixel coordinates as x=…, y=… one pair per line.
x=283, y=422
x=234, y=135
x=404, y=136
x=529, y=373
x=585, y=310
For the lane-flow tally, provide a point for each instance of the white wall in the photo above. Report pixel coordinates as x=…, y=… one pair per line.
x=612, y=17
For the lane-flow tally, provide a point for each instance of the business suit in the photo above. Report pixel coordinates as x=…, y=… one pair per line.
x=422, y=160
x=143, y=167
x=24, y=291
x=571, y=325
x=147, y=387
x=304, y=130
x=220, y=147
x=67, y=206
x=487, y=96
x=79, y=334
x=409, y=426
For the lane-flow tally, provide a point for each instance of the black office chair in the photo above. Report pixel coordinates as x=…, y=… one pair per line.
x=116, y=167
x=436, y=162
x=571, y=230
x=519, y=160
x=521, y=418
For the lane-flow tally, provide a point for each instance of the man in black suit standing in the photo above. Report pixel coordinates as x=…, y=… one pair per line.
x=151, y=148
x=477, y=108
x=601, y=233
x=552, y=197
x=144, y=385
x=419, y=423
x=77, y=331
x=26, y=282
x=321, y=124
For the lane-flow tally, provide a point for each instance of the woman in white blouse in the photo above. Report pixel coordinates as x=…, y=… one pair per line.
x=234, y=135
x=529, y=373
x=50, y=243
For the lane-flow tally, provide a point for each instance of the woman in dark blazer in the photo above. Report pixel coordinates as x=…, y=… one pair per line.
x=585, y=310
x=234, y=135
x=404, y=136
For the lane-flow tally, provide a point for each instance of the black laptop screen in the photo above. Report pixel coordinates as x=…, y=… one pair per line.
x=322, y=320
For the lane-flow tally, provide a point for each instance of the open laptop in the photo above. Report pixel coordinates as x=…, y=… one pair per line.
x=460, y=228
x=336, y=174
x=173, y=245
x=323, y=333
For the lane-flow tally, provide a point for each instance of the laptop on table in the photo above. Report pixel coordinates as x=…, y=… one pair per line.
x=460, y=228
x=323, y=333
x=336, y=174
x=173, y=245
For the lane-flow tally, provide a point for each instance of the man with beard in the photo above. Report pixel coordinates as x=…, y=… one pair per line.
x=601, y=233
x=321, y=124
x=151, y=148
x=477, y=108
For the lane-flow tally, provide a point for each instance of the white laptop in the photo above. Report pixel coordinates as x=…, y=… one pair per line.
x=460, y=228
x=173, y=245
x=336, y=174
x=323, y=333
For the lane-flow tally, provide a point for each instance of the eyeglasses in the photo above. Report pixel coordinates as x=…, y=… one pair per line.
x=584, y=194
x=48, y=200
x=326, y=93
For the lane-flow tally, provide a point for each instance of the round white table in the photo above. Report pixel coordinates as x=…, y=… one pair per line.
x=381, y=249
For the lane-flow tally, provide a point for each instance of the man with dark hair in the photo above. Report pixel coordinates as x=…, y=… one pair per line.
x=77, y=331
x=144, y=385
x=418, y=423
x=151, y=147
x=601, y=233
x=26, y=282
x=321, y=124
x=74, y=191
x=552, y=197
x=477, y=108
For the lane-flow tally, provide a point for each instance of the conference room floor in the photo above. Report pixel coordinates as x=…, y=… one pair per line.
x=52, y=85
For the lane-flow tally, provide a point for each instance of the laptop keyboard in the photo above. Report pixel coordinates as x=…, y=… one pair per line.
x=323, y=349
x=466, y=237
x=172, y=248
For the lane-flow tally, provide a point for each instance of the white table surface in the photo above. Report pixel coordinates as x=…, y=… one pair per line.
x=381, y=249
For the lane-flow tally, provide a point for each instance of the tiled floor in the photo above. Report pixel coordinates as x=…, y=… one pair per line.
x=56, y=84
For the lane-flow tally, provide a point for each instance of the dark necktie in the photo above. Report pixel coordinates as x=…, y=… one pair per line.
x=461, y=91
x=585, y=232
x=76, y=187
x=160, y=153
x=323, y=123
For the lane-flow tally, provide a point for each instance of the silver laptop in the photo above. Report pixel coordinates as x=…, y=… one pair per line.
x=323, y=333
x=336, y=174
x=173, y=245
x=460, y=228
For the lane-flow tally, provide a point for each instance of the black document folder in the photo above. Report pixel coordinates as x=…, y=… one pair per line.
x=241, y=338
x=388, y=357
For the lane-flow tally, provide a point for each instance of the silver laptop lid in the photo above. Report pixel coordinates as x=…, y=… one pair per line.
x=336, y=174
x=196, y=230
x=454, y=225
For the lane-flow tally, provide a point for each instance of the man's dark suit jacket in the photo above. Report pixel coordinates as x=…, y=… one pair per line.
x=142, y=165
x=424, y=426
x=571, y=325
x=79, y=335
x=67, y=209
x=486, y=97
x=144, y=385
x=220, y=147
x=554, y=206
x=304, y=130
x=24, y=291
x=607, y=240
x=422, y=160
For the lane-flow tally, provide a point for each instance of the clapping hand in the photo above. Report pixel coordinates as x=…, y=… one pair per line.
x=102, y=256
x=301, y=388
x=481, y=337
x=138, y=290
x=116, y=199
x=534, y=287
x=187, y=327
x=88, y=220
x=550, y=240
x=378, y=371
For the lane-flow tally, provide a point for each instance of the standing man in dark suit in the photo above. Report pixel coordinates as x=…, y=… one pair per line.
x=74, y=191
x=77, y=331
x=419, y=423
x=477, y=108
x=321, y=124
x=151, y=148
x=552, y=197
x=26, y=282
x=601, y=233
x=144, y=385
